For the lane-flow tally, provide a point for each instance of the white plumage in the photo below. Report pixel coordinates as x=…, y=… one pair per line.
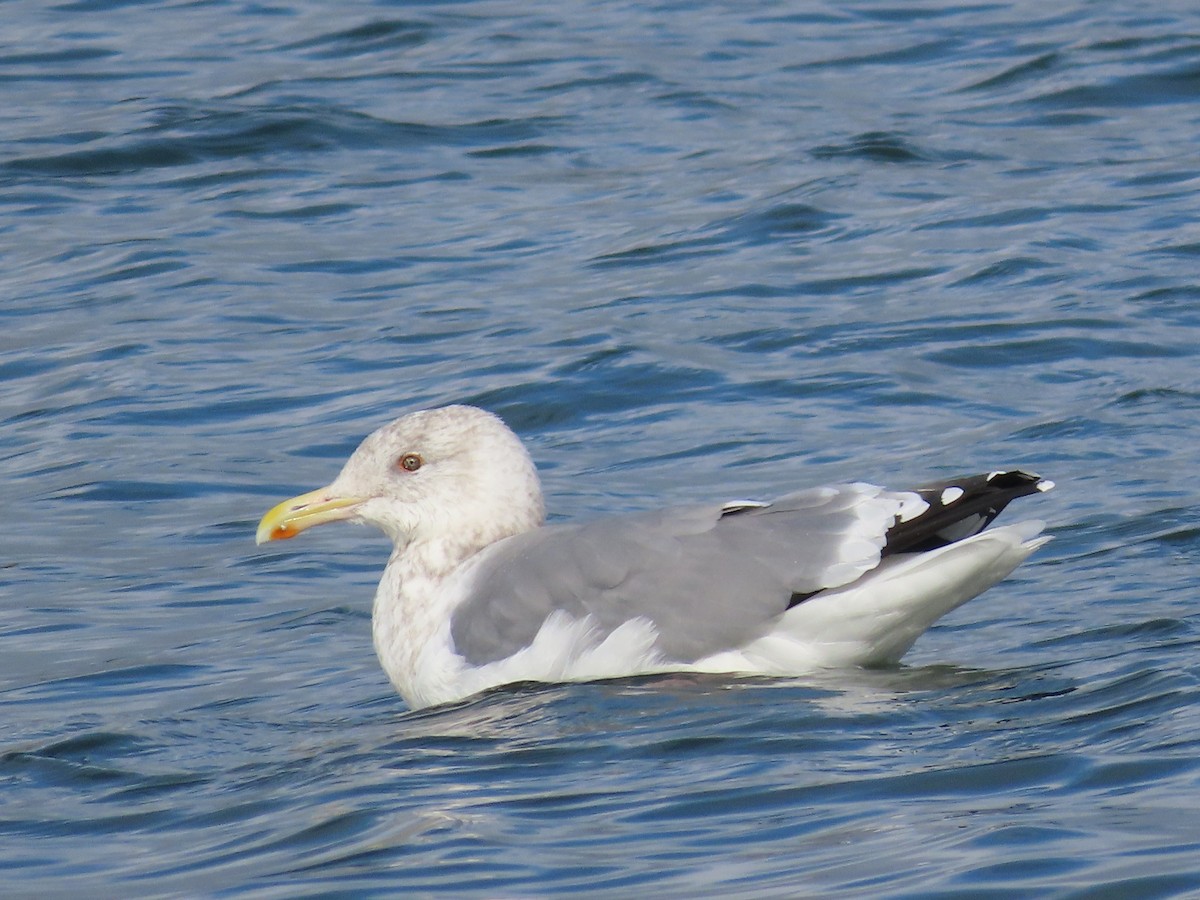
x=479, y=593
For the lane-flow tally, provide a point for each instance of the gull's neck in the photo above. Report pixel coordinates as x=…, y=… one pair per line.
x=410, y=619
x=410, y=622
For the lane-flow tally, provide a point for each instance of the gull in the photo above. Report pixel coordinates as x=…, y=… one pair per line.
x=478, y=592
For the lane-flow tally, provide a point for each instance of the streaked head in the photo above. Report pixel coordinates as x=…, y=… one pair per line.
x=454, y=473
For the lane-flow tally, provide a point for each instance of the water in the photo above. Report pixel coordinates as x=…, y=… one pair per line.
x=688, y=251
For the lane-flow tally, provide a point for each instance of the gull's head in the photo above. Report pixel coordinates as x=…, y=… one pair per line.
x=455, y=474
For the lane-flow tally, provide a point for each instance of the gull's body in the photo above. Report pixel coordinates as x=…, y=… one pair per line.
x=479, y=593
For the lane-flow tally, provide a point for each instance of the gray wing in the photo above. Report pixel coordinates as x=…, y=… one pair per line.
x=709, y=578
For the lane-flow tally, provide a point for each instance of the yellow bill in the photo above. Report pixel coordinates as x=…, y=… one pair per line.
x=293, y=516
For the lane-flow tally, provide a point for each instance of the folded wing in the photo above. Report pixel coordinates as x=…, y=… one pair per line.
x=707, y=577
x=711, y=578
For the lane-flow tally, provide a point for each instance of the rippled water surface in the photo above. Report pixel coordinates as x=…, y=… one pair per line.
x=689, y=251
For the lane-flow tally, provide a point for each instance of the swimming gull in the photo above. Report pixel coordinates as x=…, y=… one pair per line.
x=478, y=592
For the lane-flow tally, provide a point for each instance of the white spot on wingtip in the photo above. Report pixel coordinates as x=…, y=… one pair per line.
x=911, y=506
x=950, y=494
x=1045, y=484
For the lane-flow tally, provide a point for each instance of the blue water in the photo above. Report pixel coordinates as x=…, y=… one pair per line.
x=689, y=251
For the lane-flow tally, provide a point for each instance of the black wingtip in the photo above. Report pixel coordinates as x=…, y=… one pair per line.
x=960, y=508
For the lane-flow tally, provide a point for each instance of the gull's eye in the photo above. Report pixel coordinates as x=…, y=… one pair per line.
x=410, y=462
